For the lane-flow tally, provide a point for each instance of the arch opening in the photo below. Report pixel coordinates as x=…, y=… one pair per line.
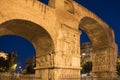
x=86, y=54
x=95, y=32
x=20, y=46
x=103, y=54
x=34, y=33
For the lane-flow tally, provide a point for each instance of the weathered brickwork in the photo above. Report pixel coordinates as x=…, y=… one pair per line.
x=53, y=30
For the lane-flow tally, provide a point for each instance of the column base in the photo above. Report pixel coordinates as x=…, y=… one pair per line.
x=59, y=73
x=104, y=75
x=69, y=74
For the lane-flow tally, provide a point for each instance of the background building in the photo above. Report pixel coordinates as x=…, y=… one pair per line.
x=86, y=51
x=30, y=64
x=30, y=61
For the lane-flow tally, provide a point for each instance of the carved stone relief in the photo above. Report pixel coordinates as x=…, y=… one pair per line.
x=102, y=60
x=62, y=60
x=50, y=74
x=69, y=40
x=45, y=60
x=68, y=73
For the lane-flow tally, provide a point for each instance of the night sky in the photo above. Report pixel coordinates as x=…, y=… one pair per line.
x=19, y=45
x=107, y=10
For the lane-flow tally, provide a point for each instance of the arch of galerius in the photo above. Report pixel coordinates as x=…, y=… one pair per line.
x=53, y=29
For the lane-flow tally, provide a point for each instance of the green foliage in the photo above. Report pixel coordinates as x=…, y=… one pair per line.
x=3, y=65
x=12, y=58
x=118, y=66
x=86, y=66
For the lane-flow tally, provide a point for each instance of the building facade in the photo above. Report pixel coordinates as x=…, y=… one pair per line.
x=86, y=51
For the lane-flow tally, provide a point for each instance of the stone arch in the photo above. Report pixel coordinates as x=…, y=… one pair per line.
x=55, y=19
x=103, y=52
x=96, y=33
x=37, y=35
x=34, y=33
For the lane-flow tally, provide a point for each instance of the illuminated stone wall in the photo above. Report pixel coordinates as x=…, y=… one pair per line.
x=54, y=32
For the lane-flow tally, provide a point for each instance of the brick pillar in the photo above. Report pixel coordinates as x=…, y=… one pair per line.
x=104, y=62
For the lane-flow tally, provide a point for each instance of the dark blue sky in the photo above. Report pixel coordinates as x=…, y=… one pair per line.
x=19, y=45
x=107, y=10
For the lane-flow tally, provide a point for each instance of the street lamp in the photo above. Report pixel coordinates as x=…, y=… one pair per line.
x=83, y=54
